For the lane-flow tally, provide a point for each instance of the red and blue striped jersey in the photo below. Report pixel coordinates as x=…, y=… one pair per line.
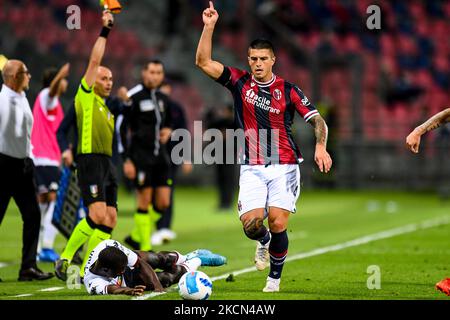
x=265, y=111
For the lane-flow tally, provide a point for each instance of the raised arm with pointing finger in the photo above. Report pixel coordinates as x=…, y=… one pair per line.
x=204, y=51
x=413, y=139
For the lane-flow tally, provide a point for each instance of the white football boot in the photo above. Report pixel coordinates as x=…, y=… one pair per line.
x=272, y=285
x=262, y=257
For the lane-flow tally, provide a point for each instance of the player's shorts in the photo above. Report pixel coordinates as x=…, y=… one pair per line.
x=47, y=178
x=153, y=176
x=275, y=185
x=97, y=179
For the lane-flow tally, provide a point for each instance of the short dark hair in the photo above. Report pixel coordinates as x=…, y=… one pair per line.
x=112, y=258
x=262, y=44
x=153, y=61
x=48, y=76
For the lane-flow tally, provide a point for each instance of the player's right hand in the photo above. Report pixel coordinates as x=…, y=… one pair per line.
x=65, y=70
x=413, y=142
x=67, y=157
x=137, y=291
x=122, y=93
x=107, y=19
x=129, y=170
x=210, y=15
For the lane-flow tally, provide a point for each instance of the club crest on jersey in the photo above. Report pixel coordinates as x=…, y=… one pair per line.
x=239, y=205
x=161, y=106
x=94, y=190
x=277, y=94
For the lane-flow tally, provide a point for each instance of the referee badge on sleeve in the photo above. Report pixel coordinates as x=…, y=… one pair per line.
x=94, y=190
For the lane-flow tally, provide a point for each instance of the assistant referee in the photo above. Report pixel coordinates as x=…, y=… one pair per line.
x=96, y=173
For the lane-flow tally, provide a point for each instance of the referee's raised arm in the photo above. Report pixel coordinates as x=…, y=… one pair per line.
x=98, y=51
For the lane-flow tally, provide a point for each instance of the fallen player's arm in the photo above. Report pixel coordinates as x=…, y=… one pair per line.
x=148, y=275
x=136, y=291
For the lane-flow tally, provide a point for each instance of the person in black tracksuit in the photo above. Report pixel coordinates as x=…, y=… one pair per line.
x=163, y=232
x=226, y=174
x=145, y=131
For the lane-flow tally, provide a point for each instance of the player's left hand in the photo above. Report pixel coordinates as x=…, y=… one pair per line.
x=107, y=19
x=210, y=15
x=138, y=290
x=323, y=159
x=164, y=135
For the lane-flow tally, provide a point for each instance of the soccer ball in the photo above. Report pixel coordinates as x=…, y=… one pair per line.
x=195, y=286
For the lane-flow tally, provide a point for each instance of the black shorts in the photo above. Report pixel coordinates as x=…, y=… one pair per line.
x=153, y=176
x=47, y=178
x=97, y=179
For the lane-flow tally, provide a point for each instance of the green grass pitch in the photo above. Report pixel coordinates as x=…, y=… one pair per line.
x=410, y=262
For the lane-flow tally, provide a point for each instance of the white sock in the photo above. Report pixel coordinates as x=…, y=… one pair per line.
x=192, y=264
x=181, y=258
x=50, y=231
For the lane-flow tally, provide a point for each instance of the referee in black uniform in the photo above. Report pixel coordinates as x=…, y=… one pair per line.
x=16, y=166
x=145, y=131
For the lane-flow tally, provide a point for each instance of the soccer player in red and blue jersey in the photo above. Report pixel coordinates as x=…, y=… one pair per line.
x=265, y=105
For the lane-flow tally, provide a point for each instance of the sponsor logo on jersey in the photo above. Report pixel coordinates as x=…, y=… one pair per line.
x=146, y=105
x=94, y=190
x=261, y=102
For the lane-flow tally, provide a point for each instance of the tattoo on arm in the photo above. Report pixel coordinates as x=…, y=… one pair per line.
x=435, y=121
x=320, y=130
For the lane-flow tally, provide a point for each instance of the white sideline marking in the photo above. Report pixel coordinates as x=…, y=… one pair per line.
x=22, y=295
x=3, y=264
x=431, y=223
x=51, y=289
